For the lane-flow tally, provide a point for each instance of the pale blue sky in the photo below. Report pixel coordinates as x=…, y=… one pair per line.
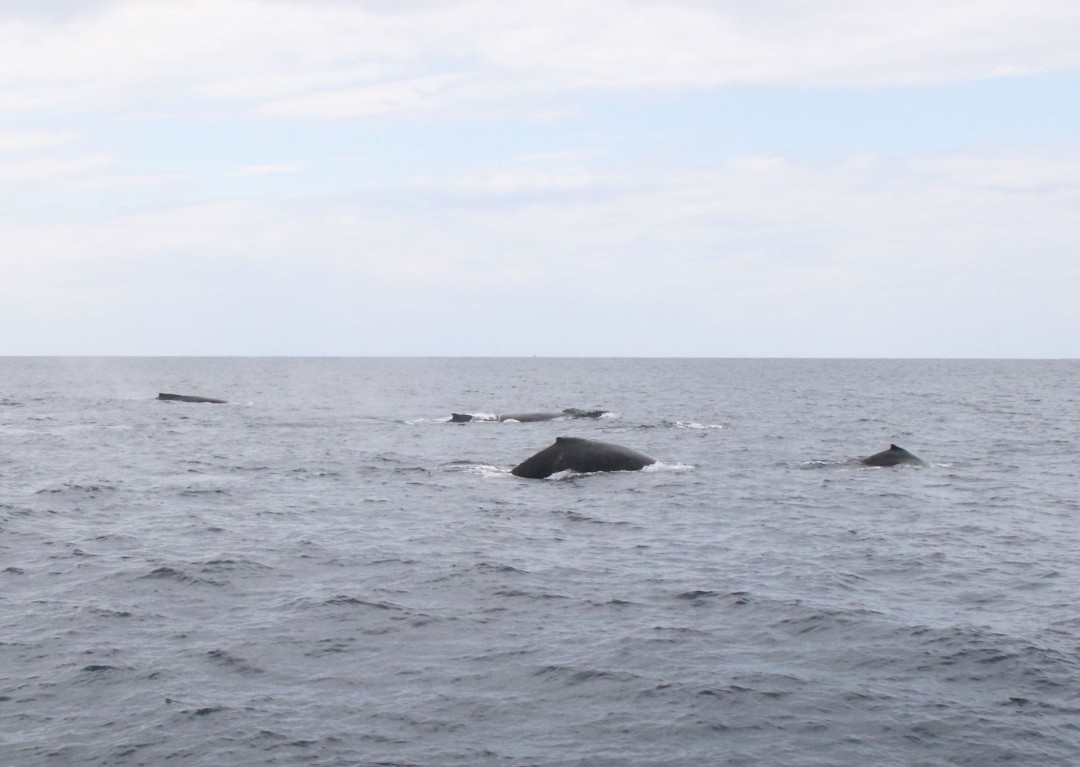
x=471, y=177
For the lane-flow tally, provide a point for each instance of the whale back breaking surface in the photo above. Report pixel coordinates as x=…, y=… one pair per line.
x=894, y=456
x=530, y=417
x=189, y=398
x=574, y=412
x=570, y=412
x=584, y=455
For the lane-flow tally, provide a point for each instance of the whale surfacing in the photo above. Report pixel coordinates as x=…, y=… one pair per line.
x=894, y=456
x=189, y=398
x=570, y=412
x=584, y=455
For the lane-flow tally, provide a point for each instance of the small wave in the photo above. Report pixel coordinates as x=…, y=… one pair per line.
x=577, y=516
x=855, y=463
x=206, y=711
x=477, y=469
x=692, y=425
x=73, y=487
x=102, y=612
x=614, y=602
x=698, y=595
x=738, y=693
x=529, y=594
x=200, y=491
x=702, y=596
x=820, y=464
x=489, y=567
x=232, y=662
x=305, y=474
x=172, y=574
x=575, y=676
x=231, y=565
x=344, y=599
x=826, y=621
x=329, y=647
x=664, y=466
x=569, y=475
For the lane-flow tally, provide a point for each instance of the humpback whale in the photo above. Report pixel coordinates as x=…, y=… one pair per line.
x=894, y=456
x=189, y=398
x=570, y=412
x=583, y=455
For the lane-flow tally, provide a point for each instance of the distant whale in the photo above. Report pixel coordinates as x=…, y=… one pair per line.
x=583, y=455
x=189, y=398
x=570, y=412
x=894, y=456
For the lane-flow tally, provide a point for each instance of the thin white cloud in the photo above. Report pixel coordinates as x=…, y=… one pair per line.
x=40, y=169
x=97, y=183
x=253, y=86
x=754, y=224
x=347, y=60
x=28, y=141
x=269, y=169
x=1018, y=171
x=413, y=95
x=540, y=174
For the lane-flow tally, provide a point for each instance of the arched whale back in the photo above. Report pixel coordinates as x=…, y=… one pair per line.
x=189, y=398
x=583, y=455
x=894, y=456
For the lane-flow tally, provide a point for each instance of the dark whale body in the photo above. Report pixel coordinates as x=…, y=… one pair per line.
x=894, y=456
x=189, y=398
x=583, y=455
x=570, y=412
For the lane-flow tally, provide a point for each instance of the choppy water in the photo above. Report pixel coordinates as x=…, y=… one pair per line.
x=327, y=573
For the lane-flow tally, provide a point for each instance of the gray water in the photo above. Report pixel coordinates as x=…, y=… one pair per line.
x=326, y=572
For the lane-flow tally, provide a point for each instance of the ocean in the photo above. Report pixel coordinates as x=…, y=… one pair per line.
x=326, y=571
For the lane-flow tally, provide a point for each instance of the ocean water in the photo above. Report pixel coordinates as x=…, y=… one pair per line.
x=327, y=572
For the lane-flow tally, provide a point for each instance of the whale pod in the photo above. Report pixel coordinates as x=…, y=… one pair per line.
x=189, y=398
x=584, y=455
x=894, y=456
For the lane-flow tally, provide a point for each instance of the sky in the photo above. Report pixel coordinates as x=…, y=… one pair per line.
x=630, y=178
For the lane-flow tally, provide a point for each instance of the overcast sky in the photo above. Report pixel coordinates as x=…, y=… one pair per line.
x=776, y=178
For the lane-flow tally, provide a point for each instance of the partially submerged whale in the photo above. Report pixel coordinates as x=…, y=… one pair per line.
x=894, y=456
x=570, y=412
x=583, y=455
x=189, y=398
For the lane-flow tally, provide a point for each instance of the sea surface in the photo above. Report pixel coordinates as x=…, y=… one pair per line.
x=325, y=571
